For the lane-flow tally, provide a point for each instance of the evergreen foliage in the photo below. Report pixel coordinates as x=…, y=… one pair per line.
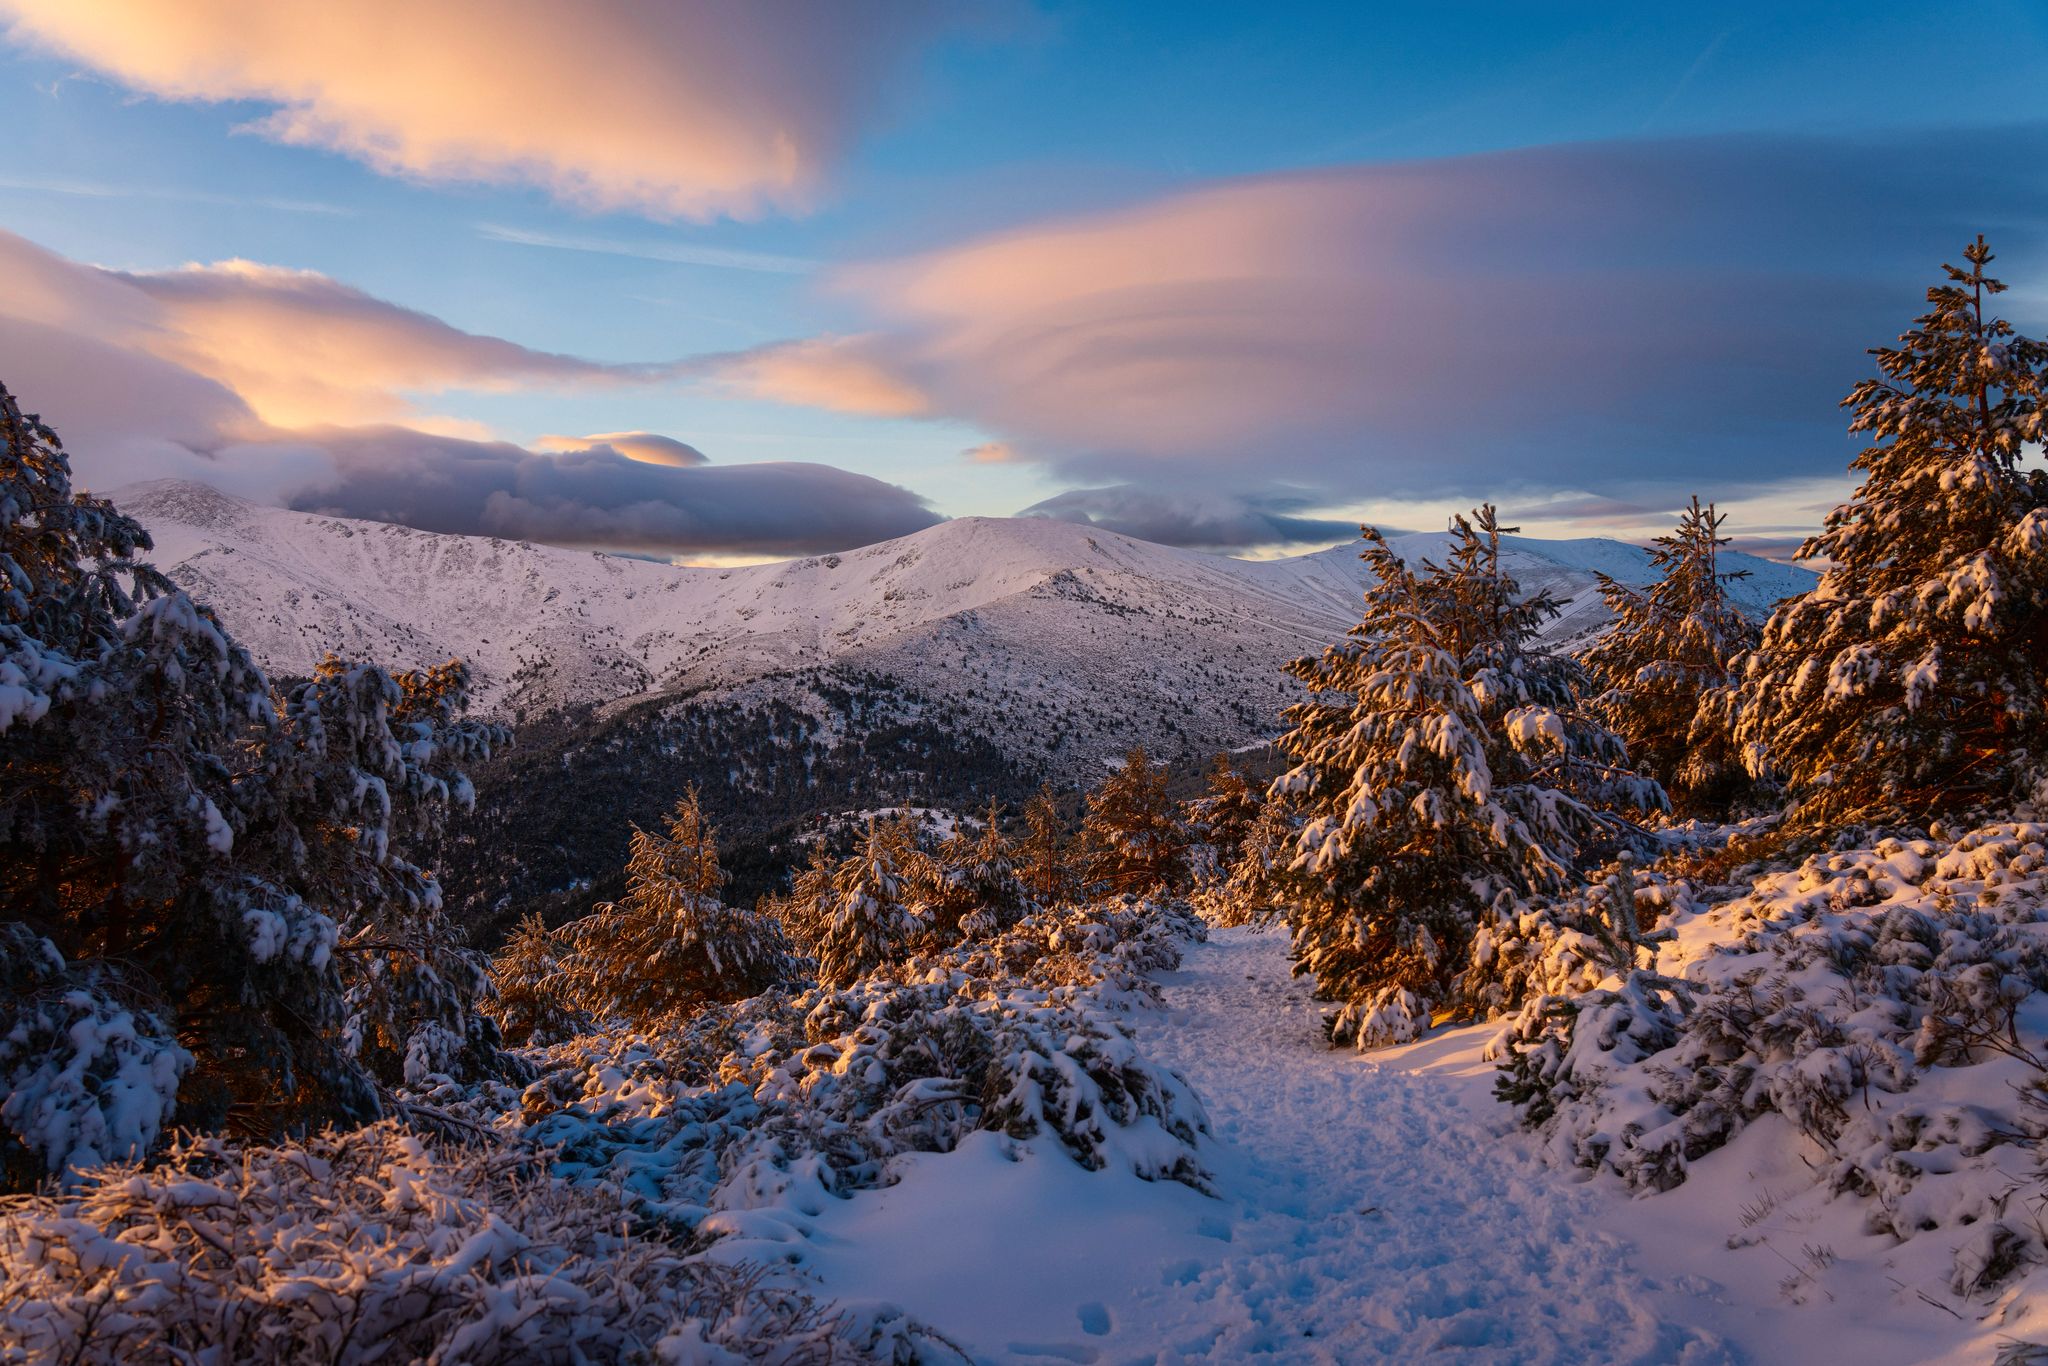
x=1044, y=855
x=1132, y=839
x=1668, y=647
x=1909, y=683
x=528, y=999
x=870, y=918
x=1439, y=762
x=671, y=944
x=1251, y=889
x=1221, y=818
x=975, y=891
x=205, y=883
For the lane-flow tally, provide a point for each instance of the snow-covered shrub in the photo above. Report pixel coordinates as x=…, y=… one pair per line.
x=375, y=1246
x=88, y=1071
x=790, y=1097
x=1885, y=1001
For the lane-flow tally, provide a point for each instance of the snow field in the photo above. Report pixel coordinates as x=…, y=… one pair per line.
x=1382, y=1207
x=1365, y=1212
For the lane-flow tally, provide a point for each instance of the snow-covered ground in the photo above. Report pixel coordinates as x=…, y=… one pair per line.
x=1381, y=1207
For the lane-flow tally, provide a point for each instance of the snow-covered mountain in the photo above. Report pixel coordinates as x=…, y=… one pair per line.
x=1029, y=625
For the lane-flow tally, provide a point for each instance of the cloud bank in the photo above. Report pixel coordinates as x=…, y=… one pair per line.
x=1201, y=519
x=1631, y=318
x=599, y=497
x=680, y=109
x=273, y=384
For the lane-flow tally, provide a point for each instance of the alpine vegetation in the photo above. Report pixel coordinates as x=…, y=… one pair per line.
x=1443, y=768
x=209, y=910
x=1671, y=645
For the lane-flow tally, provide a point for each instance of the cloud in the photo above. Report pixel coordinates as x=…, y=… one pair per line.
x=649, y=448
x=992, y=453
x=1200, y=519
x=302, y=348
x=94, y=189
x=165, y=376
x=841, y=374
x=679, y=253
x=1635, y=318
x=600, y=497
x=684, y=108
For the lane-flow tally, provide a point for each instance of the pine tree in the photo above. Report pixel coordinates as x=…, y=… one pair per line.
x=1045, y=856
x=1222, y=818
x=975, y=892
x=670, y=944
x=1251, y=889
x=1909, y=683
x=805, y=910
x=1439, y=763
x=202, y=876
x=1668, y=647
x=872, y=920
x=1132, y=839
x=371, y=759
x=529, y=999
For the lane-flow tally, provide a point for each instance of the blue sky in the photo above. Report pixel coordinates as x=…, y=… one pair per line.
x=1821, y=158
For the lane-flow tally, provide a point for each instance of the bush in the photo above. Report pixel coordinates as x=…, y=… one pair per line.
x=375, y=1246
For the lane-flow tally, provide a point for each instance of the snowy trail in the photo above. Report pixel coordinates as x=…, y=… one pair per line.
x=1370, y=1212
x=1365, y=1211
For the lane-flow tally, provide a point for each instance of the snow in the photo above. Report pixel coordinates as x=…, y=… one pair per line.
x=1376, y=1208
x=1028, y=623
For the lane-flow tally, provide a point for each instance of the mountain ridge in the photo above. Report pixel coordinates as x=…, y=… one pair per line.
x=1014, y=611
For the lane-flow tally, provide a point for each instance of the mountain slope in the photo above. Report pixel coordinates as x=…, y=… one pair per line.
x=1042, y=631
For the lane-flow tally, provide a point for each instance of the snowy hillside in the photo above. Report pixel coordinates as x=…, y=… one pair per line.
x=1032, y=623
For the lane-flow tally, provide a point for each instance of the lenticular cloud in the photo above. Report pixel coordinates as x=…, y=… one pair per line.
x=680, y=109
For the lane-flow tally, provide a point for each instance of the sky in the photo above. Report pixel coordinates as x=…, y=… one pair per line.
x=725, y=282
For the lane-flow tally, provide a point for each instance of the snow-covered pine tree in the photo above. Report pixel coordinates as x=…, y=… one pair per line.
x=1045, y=855
x=183, y=854
x=1440, y=763
x=1250, y=889
x=1669, y=646
x=1132, y=839
x=873, y=920
x=1909, y=683
x=975, y=893
x=805, y=910
x=369, y=759
x=670, y=944
x=1221, y=818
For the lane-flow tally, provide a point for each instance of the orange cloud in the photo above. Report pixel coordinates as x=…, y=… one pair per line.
x=836, y=373
x=303, y=349
x=1580, y=316
x=684, y=108
x=993, y=453
x=649, y=448
x=151, y=377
